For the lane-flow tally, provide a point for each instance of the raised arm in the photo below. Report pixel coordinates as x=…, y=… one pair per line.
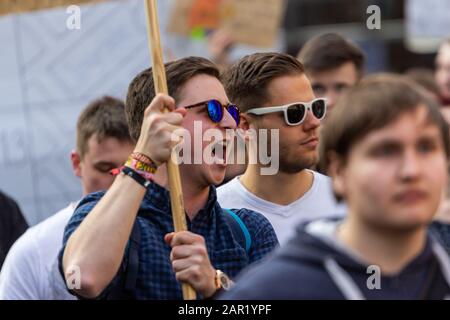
x=97, y=246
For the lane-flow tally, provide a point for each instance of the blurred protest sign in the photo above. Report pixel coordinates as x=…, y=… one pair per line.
x=427, y=24
x=253, y=22
x=18, y=6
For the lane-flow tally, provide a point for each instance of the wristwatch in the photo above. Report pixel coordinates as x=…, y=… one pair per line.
x=222, y=281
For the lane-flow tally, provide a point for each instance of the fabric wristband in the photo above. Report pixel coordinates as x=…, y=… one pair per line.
x=143, y=158
x=140, y=166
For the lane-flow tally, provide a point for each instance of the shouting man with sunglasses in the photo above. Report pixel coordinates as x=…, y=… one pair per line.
x=121, y=243
x=273, y=93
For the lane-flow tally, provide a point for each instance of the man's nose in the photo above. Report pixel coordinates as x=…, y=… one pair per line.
x=410, y=166
x=228, y=121
x=311, y=122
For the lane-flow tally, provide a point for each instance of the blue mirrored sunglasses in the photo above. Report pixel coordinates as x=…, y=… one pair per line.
x=215, y=110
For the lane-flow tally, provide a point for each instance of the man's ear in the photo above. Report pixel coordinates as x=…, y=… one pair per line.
x=245, y=125
x=244, y=122
x=76, y=163
x=336, y=170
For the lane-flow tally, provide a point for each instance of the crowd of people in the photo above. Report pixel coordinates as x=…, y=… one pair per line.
x=357, y=207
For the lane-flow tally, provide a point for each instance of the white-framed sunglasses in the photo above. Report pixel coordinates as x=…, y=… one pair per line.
x=295, y=113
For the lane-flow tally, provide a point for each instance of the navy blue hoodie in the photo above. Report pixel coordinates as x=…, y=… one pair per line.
x=316, y=265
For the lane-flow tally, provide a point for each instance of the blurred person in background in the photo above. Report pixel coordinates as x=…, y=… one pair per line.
x=103, y=143
x=333, y=64
x=220, y=44
x=12, y=224
x=442, y=72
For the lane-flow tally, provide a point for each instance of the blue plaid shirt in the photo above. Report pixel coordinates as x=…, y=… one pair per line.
x=156, y=279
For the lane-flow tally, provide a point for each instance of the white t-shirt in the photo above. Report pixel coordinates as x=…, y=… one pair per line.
x=30, y=271
x=318, y=202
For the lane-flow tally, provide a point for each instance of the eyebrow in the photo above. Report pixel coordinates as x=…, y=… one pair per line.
x=342, y=84
x=430, y=137
x=395, y=141
x=390, y=142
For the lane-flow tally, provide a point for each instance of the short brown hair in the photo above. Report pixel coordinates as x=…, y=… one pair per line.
x=375, y=102
x=141, y=90
x=246, y=80
x=329, y=51
x=425, y=78
x=104, y=117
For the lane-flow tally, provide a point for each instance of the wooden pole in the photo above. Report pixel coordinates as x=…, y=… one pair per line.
x=159, y=77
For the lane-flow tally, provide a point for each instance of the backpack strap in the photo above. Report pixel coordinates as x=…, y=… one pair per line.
x=239, y=229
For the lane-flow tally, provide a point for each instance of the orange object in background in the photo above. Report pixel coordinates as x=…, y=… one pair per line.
x=205, y=13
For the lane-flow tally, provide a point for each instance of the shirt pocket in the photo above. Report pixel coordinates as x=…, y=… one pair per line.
x=231, y=261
